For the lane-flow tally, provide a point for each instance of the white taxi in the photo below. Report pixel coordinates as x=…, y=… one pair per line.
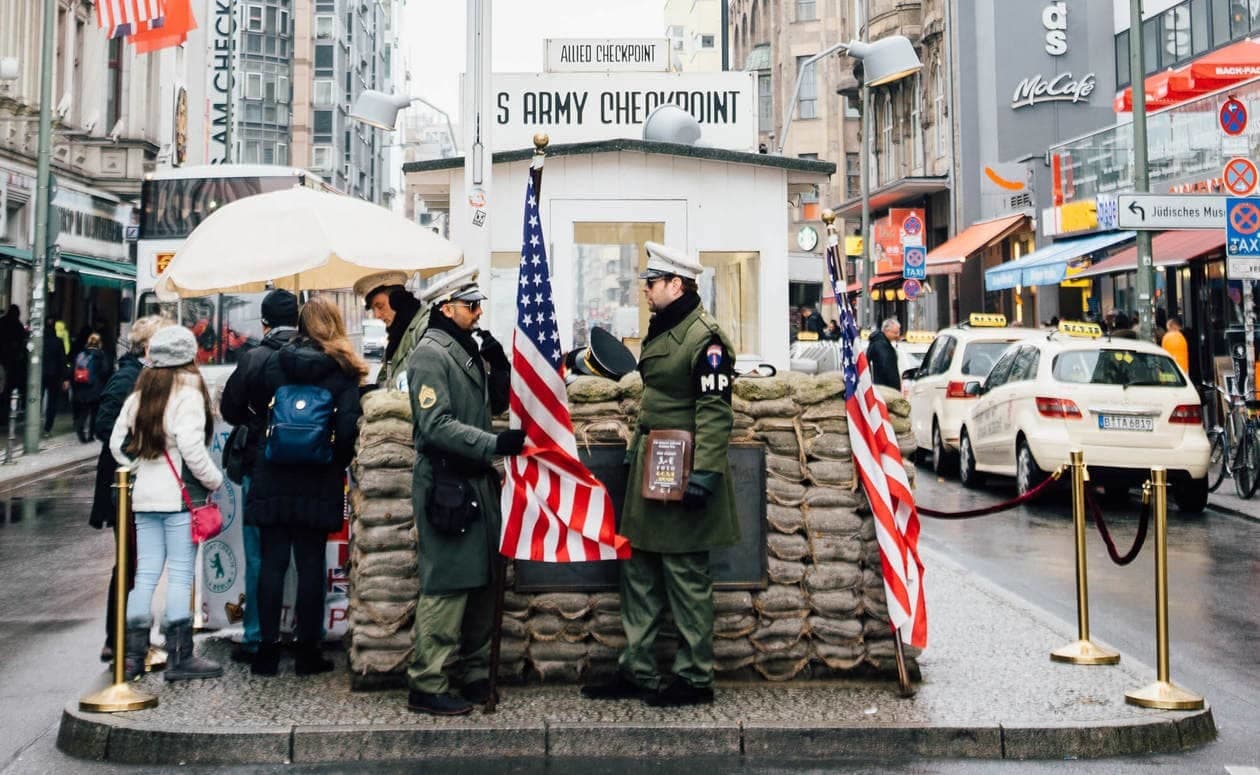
x=1124, y=402
x=956, y=356
x=911, y=348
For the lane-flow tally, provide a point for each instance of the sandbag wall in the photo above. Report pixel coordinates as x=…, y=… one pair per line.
x=822, y=614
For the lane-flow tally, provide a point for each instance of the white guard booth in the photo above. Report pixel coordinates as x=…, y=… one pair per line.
x=602, y=200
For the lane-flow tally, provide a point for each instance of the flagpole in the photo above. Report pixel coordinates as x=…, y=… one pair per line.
x=835, y=270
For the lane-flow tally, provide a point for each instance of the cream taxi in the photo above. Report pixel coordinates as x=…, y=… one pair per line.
x=956, y=356
x=911, y=348
x=1125, y=403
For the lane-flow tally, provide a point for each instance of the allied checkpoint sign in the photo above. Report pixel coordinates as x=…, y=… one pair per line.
x=1242, y=238
x=588, y=107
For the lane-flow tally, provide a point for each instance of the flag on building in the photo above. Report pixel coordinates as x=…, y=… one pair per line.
x=120, y=18
x=177, y=21
x=878, y=465
x=554, y=509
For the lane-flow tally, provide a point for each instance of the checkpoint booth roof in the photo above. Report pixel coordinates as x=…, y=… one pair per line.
x=601, y=201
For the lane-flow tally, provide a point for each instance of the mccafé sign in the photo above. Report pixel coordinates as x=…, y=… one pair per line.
x=1039, y=88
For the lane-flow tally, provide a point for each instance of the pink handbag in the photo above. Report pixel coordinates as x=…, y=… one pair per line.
x=206, y=520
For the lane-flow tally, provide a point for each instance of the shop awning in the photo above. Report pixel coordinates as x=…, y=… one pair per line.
x=949, y=257
x=1048, y=265
x=1169, y=248
x=1231, y=64
x=878, y=279
x=99, y=272
x=893, y=195
x=21, y=255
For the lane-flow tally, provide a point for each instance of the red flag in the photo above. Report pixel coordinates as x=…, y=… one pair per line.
x=176, y=24
x=554, y=508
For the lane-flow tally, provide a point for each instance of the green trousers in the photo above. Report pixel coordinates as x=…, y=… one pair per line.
x=446, y=624
x=650, y=581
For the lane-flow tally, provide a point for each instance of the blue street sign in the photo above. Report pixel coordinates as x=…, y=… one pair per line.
x=1242, y=227
x=914, y=262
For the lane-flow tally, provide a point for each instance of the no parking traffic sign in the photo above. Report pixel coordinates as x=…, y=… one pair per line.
x=1240, y=176
x=1242, y=238
x=1233, y=117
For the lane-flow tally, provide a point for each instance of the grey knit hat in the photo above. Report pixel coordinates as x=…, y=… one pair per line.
x=172, y=346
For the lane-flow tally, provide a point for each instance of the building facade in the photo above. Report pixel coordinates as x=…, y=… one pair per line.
x=694, y=29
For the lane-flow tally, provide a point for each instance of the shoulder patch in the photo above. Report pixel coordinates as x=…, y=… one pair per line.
x=714, y=370
x=427, y=397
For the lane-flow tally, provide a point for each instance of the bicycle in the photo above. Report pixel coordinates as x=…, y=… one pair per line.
x=1220, y=438
x=1246, y=466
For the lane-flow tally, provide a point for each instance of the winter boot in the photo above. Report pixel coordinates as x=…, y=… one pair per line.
x=137, y=644
x=309, y=660
x=181, y=664
x=267, y=660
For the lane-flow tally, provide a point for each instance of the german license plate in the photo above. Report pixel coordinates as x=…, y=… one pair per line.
x=1125, y=422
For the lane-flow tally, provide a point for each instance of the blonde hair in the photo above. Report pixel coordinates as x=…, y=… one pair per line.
x=321, y=321
x=143, y=330
x=94, y=340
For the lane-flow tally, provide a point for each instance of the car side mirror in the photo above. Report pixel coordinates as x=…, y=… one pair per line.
x=973, y=389
x=910, y=374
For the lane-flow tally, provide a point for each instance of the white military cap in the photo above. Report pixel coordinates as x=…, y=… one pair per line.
x=455, y=285
x=664, y=260
x=368, y=285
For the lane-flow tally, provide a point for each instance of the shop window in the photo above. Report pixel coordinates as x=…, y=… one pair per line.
x=730, y=289
x=607, y=259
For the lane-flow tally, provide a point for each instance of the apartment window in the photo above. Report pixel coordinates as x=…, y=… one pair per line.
x=268, y=154
x=114, y=84
x=269, y=114
x=253, y=86
x=271, y=46
x=324, y=25
x=806, y=10
x=321, y=157
x=323, y=123
x=325, y=92
x=851, y=108
x=938, y=85
x=282, y=114
x=808, y=105
x=282, y=21
x=916, y=125
x=852, y=174
x=269, y=90
x=1239, y=20
x=254, y=18
x=282, y=153
x=271, y=25
x=706, y=41
x=253, y=44
x=890, y=161
x=282, y=88
x=251, y=152
x=765, y=102
x=253, y=112
x=323, y=57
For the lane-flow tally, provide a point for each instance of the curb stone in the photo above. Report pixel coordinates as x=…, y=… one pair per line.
x=103, y=737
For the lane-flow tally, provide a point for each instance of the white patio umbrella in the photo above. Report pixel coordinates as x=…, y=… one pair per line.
x=300, y=239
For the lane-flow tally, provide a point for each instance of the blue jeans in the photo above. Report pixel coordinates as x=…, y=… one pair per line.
x=163, y=538
x=253, y=562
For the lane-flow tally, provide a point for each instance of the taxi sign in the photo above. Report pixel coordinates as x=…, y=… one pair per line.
x=1086, y=330
x=807, y=336
x=919, y=337
x=987, y=320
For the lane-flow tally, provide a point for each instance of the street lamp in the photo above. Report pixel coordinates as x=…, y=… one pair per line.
x=380, y=110
x=883, y=62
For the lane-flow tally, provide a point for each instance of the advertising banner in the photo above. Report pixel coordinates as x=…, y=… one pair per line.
x=890, y=233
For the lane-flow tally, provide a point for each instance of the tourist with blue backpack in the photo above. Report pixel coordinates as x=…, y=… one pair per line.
x=309, y=391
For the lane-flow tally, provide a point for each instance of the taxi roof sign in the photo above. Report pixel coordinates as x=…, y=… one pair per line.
x=987, y=320
x=919, y=337
x=1084, y=330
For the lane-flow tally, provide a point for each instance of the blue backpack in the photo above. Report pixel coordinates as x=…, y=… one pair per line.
x=300, y=426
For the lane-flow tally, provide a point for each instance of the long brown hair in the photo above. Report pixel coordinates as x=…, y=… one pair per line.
x=155, y=385
x=321, y=321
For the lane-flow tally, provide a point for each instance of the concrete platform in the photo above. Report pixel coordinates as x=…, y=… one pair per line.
x=989, y=691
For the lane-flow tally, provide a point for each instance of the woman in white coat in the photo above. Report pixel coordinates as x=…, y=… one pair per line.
x=165, y=424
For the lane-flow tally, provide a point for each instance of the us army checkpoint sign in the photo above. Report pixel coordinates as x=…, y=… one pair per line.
x=1242, y=238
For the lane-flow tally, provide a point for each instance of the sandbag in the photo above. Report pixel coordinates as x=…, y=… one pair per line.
x=385, y=454
x=785, y=519
x=383, y=482
x=830, y=497
x=590, y=390
x=397, y=563
x=387, y=589
x=556, y=651
x=788, y=469
x=557, y=672
x=778, y=634
x=836, y=548
x=832, y=521
x=787, y=547
x=785, y=571
x=385, y=404
x=610, y=602
x=386, y=429
x=515, y=604
x=385, y=538
x=829, y=576
x=730, y=655
x=782, y=665
x=734, y=625
x=826, y=410
x=566, y=605
x=839, y=656
x=398, y=641
x=782, y=407
x=784, y=493
x=809, y=390
x=730, y=601
x=781, y=601
x=781, y=442
x=378, y=512
x=837, y=631
x=630, y=386
x=837, y=604
x=829, y=446
x=761, y=388
x=830, y=472
x=603, y=409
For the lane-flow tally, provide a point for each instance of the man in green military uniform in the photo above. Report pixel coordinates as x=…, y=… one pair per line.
x=687, y=364
x=456, y=381
x=405, y=320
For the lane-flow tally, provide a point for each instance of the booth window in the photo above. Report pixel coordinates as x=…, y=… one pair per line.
x=730, y=289
x=607, y=259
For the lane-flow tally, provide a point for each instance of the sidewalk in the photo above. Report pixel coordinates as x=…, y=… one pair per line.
x=989, y=691
x=60, y=452
x=1226, y=499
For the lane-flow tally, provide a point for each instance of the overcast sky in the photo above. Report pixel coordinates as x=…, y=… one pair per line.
x=433, y=36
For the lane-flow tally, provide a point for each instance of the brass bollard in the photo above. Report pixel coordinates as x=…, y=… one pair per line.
x=1163, y=693
x=120, y=695
x=1082, y=651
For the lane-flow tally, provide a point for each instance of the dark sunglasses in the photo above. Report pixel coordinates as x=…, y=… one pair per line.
x=472, y=306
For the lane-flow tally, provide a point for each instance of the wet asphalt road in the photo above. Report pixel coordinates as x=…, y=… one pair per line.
x=52, y=615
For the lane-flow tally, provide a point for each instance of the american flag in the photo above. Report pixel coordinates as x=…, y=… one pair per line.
x=555, y=509
x=121, y=18
x=877, y=462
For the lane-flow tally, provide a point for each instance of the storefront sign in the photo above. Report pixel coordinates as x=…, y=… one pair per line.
x=1064, y=87
x=890, y=233
x=584, y=107
x=567, y=55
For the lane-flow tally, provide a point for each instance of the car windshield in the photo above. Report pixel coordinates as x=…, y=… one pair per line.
x=1117, y=367
x=979, y=357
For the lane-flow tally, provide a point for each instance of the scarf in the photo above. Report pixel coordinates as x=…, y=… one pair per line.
x=464, y=338
x=405, y=307
x=672, y=315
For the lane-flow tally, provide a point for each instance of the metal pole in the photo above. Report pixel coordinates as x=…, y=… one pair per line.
x=39, y=286
x=8, y=442
x=1162, y=693
x=1249, y=334
x=865, y=264
x=1082, y=651
x=1141, y=175
x=119, y=696
x=796, y=92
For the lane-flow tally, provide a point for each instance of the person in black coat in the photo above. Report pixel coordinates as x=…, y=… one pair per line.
x=13, y=336
x=244, y=391
x=296, y=506
x=91, y=372
x=882, y=356
x=56, y=374
x=113, y=395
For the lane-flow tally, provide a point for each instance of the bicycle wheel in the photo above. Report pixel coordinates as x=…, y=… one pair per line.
x=1245, y=465
x=1253, y=461
x=1218, y=462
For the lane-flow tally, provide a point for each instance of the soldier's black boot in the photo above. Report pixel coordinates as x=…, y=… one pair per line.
x=309, y=660
x=619, y=688
x=267, y=660
x=678, y=692
x=182, y=664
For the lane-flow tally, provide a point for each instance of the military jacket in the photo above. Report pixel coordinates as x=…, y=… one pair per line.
x=450, y=407
x=687, y=373
x=390, y=373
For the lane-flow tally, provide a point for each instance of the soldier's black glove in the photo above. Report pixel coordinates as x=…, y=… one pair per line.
x=491, y=350
x=696, y=496
x=509, y=442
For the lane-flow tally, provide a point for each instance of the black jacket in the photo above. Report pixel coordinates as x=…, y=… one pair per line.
x=91, y=391
x=245, y=399
x=55, y=367
x=116, y=391
x=883, y=359
x=303, y=496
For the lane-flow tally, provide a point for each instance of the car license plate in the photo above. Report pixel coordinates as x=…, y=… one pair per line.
x=1125, y=422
